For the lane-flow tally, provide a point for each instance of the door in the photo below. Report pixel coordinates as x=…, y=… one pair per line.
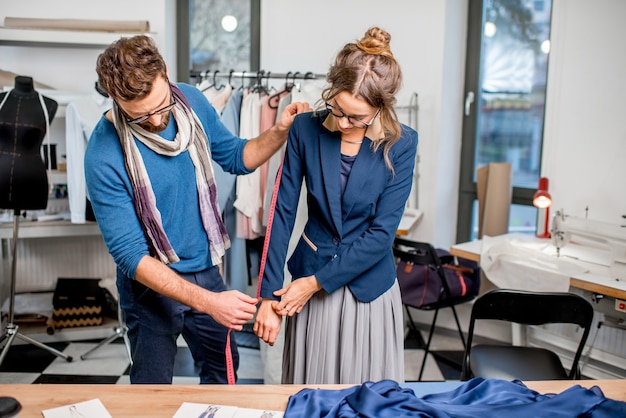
x=505, y=89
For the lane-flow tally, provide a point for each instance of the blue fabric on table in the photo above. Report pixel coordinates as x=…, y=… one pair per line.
x=477, y=397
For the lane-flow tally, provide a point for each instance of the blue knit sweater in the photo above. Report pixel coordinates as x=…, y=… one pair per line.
x=174, y=184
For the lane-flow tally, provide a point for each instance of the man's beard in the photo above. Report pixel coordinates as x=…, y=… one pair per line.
x=159, y=128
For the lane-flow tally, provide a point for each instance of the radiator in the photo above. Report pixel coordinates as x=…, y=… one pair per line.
x=41, y=261
x=603, y=356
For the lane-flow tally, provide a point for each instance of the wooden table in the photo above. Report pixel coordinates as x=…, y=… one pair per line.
x=156, y=401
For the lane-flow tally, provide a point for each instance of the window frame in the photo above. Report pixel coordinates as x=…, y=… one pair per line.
x=467, y=185
x=183, y=27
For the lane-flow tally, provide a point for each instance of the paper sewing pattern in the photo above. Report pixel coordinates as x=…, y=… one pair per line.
x=87, y=409
x=199, y=410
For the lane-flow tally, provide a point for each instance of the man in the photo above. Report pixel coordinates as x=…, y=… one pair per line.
x=151, y=183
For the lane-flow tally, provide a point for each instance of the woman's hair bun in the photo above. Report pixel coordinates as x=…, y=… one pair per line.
x=376, y=42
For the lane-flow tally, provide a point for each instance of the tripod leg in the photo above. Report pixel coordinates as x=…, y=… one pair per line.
x=11, y=333
x=127, y=344
x=106, y=341
x=45, y=347
x=118, y=331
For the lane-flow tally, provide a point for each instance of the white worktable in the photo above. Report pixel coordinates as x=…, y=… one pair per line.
x=596, y=280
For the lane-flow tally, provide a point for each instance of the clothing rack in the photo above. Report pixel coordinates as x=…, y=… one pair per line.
x=412, y=114
x=258, y=75
x=412, y=110
x=291, y=77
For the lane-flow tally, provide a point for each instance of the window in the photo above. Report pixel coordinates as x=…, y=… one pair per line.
x=507, y=64
x=218, y=35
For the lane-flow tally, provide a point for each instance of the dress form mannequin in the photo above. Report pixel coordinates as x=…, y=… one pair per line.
x=23, y=179
x=24, y=119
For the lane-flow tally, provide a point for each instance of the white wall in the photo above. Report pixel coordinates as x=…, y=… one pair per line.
x=584, y=152
x=73, y=69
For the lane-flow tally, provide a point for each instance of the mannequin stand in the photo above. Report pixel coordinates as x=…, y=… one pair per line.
x=12, y=330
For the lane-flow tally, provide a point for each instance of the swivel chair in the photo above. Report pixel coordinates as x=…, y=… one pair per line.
x=527, y=308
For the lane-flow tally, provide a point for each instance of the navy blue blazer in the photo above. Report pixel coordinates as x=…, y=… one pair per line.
x=347, y=239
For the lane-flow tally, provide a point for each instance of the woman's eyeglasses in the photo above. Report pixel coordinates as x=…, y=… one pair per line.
x=354, y=121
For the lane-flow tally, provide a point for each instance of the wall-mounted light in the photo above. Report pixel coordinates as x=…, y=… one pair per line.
x=489, y=29
x=229, y=23
x=542, y=200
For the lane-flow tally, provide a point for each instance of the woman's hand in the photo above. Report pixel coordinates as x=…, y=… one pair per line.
x=267, y=323
x=295, y=295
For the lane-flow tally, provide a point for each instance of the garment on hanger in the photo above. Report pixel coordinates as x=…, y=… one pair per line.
x=81, y=117
x=230, y=118
x=284, y=98
x=235, y=274
x=221, y=98
x=309, y=92
x=208, y=89
x=268, y=119
x=248, y=201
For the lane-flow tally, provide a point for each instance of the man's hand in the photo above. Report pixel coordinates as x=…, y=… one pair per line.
x=290, y=112
x=295, y=295
x=267, y=323
x=231, y=308
x=261, y=148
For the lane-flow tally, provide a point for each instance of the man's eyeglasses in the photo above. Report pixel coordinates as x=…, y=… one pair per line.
x=156, y=112
x=354, y=121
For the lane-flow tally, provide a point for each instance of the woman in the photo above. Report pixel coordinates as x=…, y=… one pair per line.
x=344, y=311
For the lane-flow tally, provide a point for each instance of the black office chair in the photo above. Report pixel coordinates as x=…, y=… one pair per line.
x=424, y=254
x=527, y=308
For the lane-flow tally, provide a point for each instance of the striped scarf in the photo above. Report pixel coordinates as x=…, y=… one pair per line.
x=190, y=137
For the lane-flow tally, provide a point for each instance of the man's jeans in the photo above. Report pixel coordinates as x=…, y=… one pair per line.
x=154, y=323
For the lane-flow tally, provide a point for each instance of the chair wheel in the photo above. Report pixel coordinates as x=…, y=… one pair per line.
x=69, y=359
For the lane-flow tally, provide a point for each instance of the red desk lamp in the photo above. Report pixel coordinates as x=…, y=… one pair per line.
x=542, y=200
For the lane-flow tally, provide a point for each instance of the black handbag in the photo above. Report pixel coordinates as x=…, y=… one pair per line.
x=421, y=285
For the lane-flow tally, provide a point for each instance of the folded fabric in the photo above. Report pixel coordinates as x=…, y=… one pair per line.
x=477, y=397
x=517, y=264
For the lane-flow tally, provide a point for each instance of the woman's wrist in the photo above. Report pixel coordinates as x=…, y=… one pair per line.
x=315, y=283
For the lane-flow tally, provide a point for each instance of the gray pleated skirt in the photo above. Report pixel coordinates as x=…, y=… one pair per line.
x=338, y=340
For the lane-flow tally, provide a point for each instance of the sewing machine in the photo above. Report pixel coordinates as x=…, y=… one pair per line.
x=591, y=241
